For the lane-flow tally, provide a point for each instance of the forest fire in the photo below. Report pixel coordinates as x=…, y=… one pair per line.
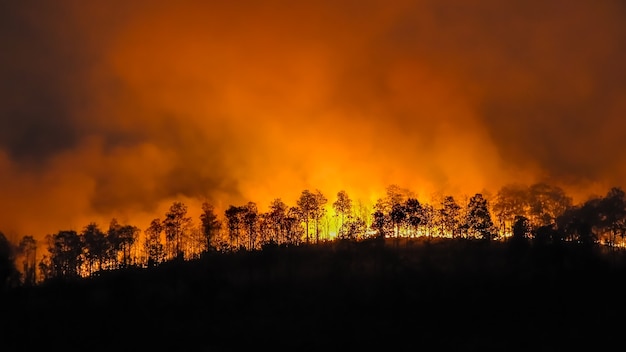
x=539, y=212
x=326, y=163
x=136, y=106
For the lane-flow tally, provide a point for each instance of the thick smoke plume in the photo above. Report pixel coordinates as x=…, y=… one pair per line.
x=117, y=108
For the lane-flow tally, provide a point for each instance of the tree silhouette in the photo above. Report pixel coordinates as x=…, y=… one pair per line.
x=276, y=219
x=122, y=237
x=479, y=218
x=414, y=211
x=612, y=214
x=343, y=208
x=250, y=217
x=546, y=202
x=266, y=235
x=353, y=229
x=8, y=272
x=397, y=216
x=380, y=224
x=450, y=214
x=521, y=228
x=583, y=223
x=175, y=224
x=234, y=222
x=154, y=248
x=308, y=206
x=511, y=200
x=428, y=218
x=28, y=251
x=211, y=225
x=95, y=247
x=392, y=205
x=65, y=251
x=292, y=223
x=318, y=212
x=396, y=195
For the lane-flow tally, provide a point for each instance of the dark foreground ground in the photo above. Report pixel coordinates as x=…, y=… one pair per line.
x=448, y=295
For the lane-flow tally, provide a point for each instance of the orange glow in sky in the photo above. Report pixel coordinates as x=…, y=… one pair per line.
x=119, y=108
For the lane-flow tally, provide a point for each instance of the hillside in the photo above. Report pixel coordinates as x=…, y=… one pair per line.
x=445, y=294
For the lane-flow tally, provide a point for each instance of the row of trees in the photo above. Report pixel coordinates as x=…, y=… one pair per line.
x=540, y=212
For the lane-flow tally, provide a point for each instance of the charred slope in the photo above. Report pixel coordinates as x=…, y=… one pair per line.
x=447, y=294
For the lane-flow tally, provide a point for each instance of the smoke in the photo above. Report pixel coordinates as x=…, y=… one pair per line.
x=116, y=109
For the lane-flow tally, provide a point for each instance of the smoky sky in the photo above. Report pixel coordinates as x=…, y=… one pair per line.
x=116, y=108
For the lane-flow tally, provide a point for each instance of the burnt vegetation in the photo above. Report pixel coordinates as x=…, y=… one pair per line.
x=523, y=270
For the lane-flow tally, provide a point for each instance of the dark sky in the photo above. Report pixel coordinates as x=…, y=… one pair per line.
x=117, y=108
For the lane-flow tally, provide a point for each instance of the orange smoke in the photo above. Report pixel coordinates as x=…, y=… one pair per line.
x=154, y=101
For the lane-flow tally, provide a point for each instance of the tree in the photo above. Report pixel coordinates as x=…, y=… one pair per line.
x=128, y=234
x=397, y=216
x=396, y=195
x=511, y=200
x=65, y=249
x=379, y=224
x=343, y=208
x=195, y=242
x=567, y=222
x=392, y=207
x=428, y=218
x=520, y=238
x=8, y=273
x=580, y=223
x=353, y=229
x=585, y=234
x=308, y=206
x=121, y=237
x=521, y=228
x=153, y=246
x=250, y=217
x=413, y=210
x=546, y=203
x=318, y=212
x=176, y=223
x=363, y=212
x=95, y=247
x=478, y=217
x=28, y=251
x=234, y=222
x=211, y=225
x=450, y=216
x=276, y=219
x=292, y=224
x=266, y=234
x=612, y=214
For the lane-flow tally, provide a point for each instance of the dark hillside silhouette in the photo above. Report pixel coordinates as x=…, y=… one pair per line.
x=526, y=271
x=344, y=295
